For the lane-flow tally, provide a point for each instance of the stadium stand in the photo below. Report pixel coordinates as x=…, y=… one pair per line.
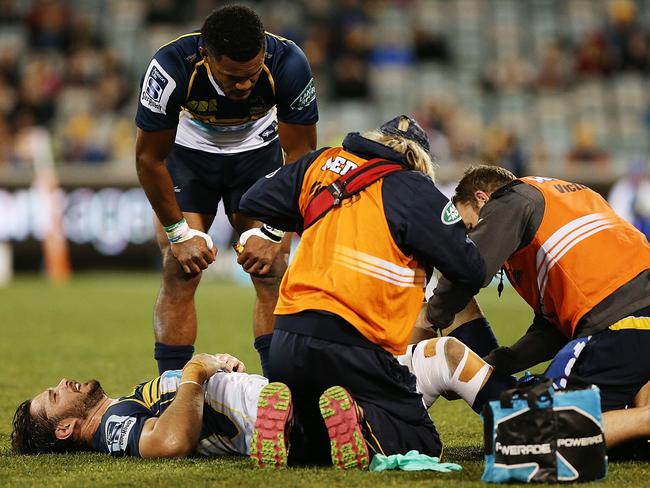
x=553, y=82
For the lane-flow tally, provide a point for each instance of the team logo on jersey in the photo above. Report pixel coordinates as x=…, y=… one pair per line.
x=305, y=98
x=117, y=432
x=157, y=88
x=449, y=214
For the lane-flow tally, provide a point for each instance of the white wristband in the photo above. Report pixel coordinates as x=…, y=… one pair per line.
x=256, y=231
x=193, y=233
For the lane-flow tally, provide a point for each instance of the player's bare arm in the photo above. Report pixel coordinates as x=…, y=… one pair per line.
x=176, y=432
x=259, y=253
x=194, y=253
x=296, y=140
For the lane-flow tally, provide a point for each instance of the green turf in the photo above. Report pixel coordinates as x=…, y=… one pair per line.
x=100, y=326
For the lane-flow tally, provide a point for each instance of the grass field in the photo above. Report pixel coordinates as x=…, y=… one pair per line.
x=99, y=326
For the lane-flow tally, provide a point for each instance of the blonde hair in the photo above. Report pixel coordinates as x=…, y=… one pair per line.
x=416, y=157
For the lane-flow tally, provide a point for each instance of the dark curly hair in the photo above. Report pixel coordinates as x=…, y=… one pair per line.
x=34, y=434
x=234, y=31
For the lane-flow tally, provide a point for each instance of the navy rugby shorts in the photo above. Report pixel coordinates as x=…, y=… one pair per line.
x=202, y=179
x=617, y=360
x=396, y=420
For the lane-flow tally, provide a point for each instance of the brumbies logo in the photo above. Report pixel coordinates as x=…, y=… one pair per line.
x=307, y=96
x=117, y=432
x=449, y=214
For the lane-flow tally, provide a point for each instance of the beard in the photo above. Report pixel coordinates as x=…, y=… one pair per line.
x=91, y=399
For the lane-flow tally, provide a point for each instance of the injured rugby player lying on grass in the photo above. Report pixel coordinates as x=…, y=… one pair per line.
x=210, y=407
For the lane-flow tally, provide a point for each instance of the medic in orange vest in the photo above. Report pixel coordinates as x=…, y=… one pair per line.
x=583, y=269
x=372, y=225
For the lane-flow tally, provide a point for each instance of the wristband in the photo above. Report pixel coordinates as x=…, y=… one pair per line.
x=175, y=232
x=181, y=232
x=190, y=382
x=273, y=235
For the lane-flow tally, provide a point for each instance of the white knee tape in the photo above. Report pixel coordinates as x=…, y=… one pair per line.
x=468, y=390
x=433, y=375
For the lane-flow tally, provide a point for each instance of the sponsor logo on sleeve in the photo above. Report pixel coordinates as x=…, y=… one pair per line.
x=305, y=98
x=157, y=88
x=272, y=174
x=449, y=214
x=117, y=432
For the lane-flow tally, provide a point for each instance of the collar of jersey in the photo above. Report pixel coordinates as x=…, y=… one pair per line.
x=214, y=83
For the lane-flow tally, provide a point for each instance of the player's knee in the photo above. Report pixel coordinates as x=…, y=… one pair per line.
x=267, y=285
x=454, y=353
x=173, y=275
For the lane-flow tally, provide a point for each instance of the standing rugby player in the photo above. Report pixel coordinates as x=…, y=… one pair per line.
x=217, y=109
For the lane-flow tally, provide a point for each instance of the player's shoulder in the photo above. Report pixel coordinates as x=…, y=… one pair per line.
x=284, y=54
x=181, y=52
x=120, y=427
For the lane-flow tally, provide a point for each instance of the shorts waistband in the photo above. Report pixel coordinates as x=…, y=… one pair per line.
x=326, y=326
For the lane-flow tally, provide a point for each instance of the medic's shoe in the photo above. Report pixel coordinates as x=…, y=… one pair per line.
x=270, y=441
x=342, y=419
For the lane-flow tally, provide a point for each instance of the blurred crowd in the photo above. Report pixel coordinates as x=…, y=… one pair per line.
x=498, y=81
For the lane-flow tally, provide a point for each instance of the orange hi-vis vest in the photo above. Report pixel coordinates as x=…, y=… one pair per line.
x=348, y=264
x=582, y=252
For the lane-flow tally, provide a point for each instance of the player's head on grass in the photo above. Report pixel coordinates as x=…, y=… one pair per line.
x=404, y=135
x=234, y=44
x=55, y=419
x=474, y=190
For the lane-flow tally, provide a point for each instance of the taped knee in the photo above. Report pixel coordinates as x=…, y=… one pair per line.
x=429, y=365
x=468, y=370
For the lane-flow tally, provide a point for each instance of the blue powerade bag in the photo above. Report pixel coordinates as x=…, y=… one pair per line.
x=535, y=433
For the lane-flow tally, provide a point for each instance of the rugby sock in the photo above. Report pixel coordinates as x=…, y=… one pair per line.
x=492, y=389
x=477, y=335
x=263, y=345
x=171, y=357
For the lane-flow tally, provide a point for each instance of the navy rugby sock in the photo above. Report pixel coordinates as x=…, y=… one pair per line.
x=171, y=357
x=477, y=335
x=496, y=384
x=263, y=345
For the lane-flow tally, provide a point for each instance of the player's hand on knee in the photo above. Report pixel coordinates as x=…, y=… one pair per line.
x=213, y=363
x=230, y=363
x=258, y=255
x=193, y=254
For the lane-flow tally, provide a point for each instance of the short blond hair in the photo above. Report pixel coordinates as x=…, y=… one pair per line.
x=416, y=157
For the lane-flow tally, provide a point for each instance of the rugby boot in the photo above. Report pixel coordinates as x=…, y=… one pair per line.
x=342, y=419
x=270, y=442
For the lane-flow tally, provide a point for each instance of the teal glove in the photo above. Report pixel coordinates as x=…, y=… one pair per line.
x=411, y=461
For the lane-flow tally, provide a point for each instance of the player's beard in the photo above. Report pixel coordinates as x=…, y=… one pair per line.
x=90, y=400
